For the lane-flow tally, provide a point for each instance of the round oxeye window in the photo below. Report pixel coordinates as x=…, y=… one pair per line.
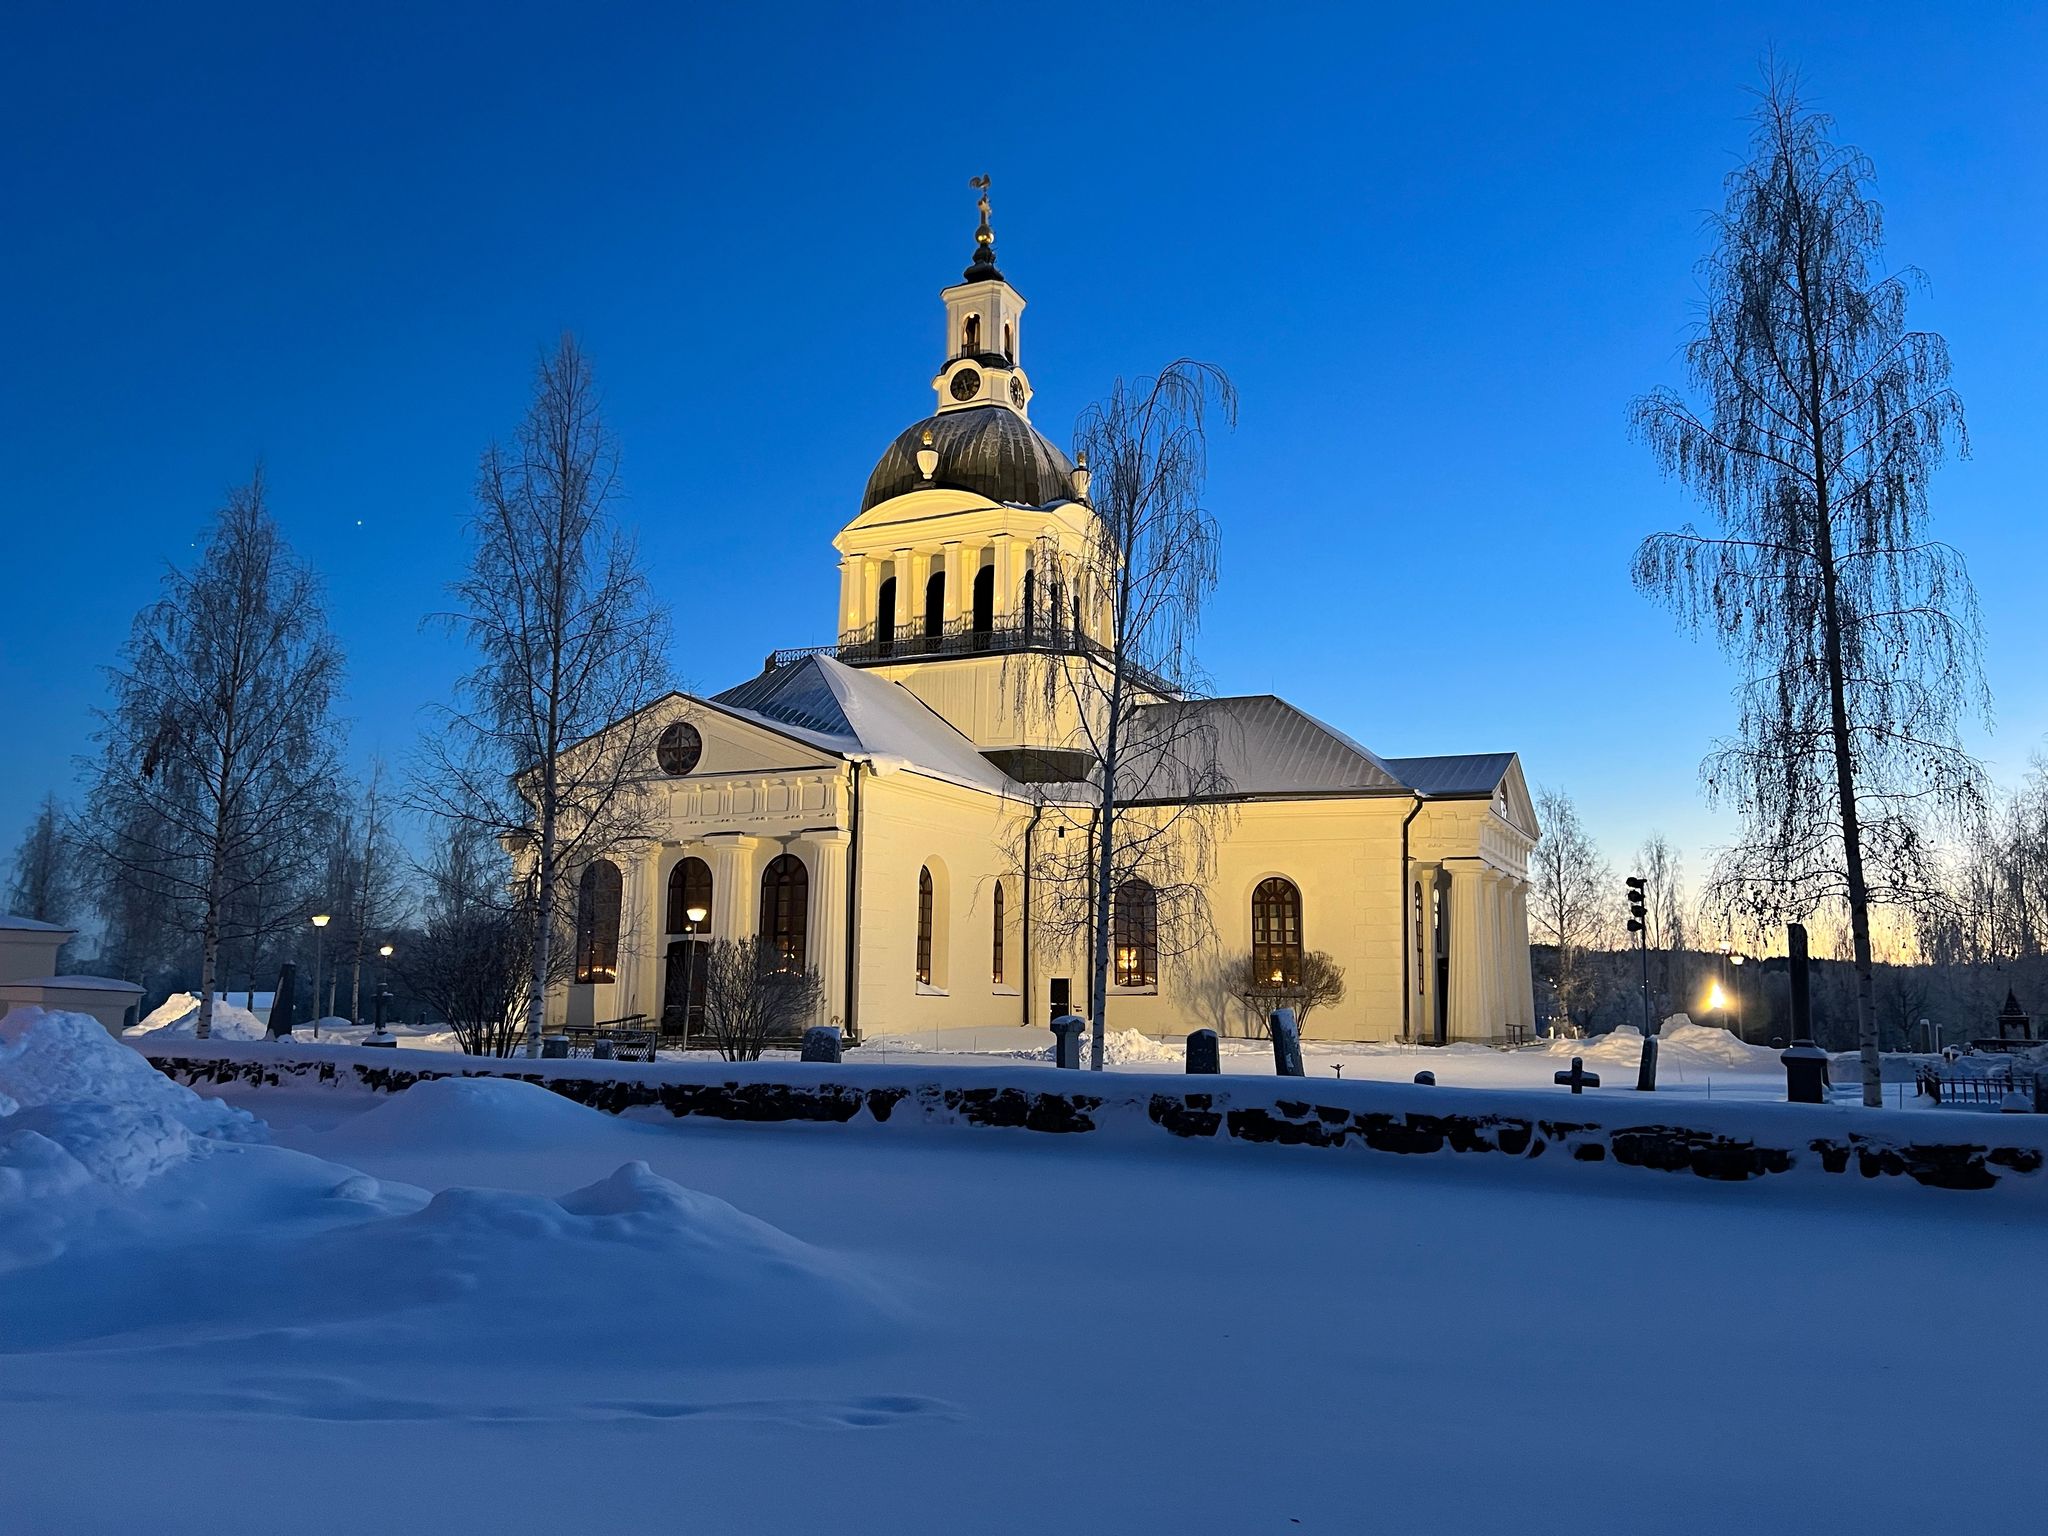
x=679, y=748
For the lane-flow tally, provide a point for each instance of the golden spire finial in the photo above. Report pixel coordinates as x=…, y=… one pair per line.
x=984, y=263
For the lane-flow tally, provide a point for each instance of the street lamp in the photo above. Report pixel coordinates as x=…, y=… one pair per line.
x=320, y=922
x=696, y=915
x=1740, y=1032
x=383, y=983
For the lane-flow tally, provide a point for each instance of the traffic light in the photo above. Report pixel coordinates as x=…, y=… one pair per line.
x=1636, y=909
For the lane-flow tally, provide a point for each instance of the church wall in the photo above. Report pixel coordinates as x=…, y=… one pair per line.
x=1343, y=856
x=909, y=822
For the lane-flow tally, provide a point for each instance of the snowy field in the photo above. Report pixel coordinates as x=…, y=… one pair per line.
x=477, y=1307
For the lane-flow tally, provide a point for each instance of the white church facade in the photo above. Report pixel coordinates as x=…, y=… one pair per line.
x=874, y=808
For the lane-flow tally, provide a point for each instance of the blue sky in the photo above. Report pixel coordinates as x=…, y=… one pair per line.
x=1437, y=250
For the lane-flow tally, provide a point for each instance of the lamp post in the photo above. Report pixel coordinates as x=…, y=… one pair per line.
x=696, y=915
x=1741, y=1020
x=320, y=922
x=383, y=979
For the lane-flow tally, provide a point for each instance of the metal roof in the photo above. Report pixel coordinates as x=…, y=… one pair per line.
x=1470, y=773
x=987, y=449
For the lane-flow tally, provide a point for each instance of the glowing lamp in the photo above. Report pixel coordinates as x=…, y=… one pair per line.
x=1717, y=1000
x=321, y=919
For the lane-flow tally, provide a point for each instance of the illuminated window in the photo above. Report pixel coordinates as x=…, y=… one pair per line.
x=1276, y=932
x=597, y=923
x=785, y=908
x=924, y=927
x=996, y=963
x=1135, y=934
x=970, y=335
x=689, y=887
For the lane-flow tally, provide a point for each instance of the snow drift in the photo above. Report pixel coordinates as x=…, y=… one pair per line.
x=177, y=1018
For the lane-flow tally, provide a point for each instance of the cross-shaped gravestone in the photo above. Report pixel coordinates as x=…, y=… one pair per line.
x=1579, y=1078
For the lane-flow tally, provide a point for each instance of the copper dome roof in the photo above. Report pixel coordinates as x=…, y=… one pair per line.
x=988, y=449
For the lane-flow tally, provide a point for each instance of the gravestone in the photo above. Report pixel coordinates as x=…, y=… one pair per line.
x=1806, y=1064
x=284, y=1003
x=554, y=1047
x=1066, y=1041
x=821, y=1043
x=1426, y=1079
x=602, y=1050
x=1204, y=1054
x=1286, y=1043
x=1579, y=1078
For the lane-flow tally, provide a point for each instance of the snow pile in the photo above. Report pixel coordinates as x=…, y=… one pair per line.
x=1120, y=1048
x=480, y=1114
x=177, y=1018
x=1682, y=1043
x=78, y=1107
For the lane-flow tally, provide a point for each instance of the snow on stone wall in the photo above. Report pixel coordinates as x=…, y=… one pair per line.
x=1730, y=1142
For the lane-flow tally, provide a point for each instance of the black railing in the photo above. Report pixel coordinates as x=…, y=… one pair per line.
x=964, y=637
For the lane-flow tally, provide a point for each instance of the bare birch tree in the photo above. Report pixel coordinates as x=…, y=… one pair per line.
x=1823, y=420
x=375, y=875
x=548, y=743
x=218, y=753
x=1665, y=928
x=43, y=883
x=1572, y=896
x=1122, y=613
x=470, y=960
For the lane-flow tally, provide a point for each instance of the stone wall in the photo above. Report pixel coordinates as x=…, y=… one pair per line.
x=1733, y=1143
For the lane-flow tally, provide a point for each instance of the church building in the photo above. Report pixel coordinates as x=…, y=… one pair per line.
x=869, y=807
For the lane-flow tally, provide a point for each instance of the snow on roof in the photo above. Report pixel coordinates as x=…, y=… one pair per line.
x=30, y=925
x=857, y=714
x=74, y=984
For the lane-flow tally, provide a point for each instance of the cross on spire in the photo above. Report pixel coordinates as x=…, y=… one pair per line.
x=983, y=267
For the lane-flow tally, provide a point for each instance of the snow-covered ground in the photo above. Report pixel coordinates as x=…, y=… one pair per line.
x=478, y=1307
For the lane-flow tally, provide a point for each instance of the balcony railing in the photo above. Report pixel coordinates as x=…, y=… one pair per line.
x=963, y=637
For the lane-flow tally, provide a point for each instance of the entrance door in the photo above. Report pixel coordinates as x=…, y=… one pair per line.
x=1443, y=966
x=683, y=988
x=1062, y=994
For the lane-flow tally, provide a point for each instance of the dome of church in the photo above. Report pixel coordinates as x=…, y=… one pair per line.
x=989, y=450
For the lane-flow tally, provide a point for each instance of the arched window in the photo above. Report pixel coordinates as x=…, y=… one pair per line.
x=1030, y=600
x=970, y=335
x=924, y=926
x=1276, y=932
x=689, y=888
x=1009, y=342
x=984, y=606
x=996, y=950
x=1136, y=928
x=935, y=603
x=597, y=922
x=785, y=909
x=885, y=615
x=1420, y=974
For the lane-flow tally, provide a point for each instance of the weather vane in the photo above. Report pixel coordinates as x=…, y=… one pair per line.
x=984, y=265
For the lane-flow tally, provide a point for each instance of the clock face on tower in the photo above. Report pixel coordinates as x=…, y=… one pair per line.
x=1017, y=393
x=966, y=384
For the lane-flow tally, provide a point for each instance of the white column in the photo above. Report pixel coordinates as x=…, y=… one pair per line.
x=1468, y=995
x=1006, y=580
x=735, y=888
x=1518, y=948
x=853, y=592
x=1492, y=928
x=949, y=557
x=825, y=943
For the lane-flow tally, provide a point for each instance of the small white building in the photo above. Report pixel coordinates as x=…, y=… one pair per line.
x=868, y=807
x=28, y=960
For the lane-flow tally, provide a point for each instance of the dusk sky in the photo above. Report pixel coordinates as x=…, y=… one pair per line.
x=1437, y=255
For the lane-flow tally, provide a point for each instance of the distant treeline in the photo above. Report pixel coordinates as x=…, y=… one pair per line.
x=1960, y=1001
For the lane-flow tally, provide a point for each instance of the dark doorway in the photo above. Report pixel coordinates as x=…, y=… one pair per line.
x=885, y=616
x=683, y=987
x=935, y=605
x=984, y=606
x=1442, y=1022
x=1062, y=995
